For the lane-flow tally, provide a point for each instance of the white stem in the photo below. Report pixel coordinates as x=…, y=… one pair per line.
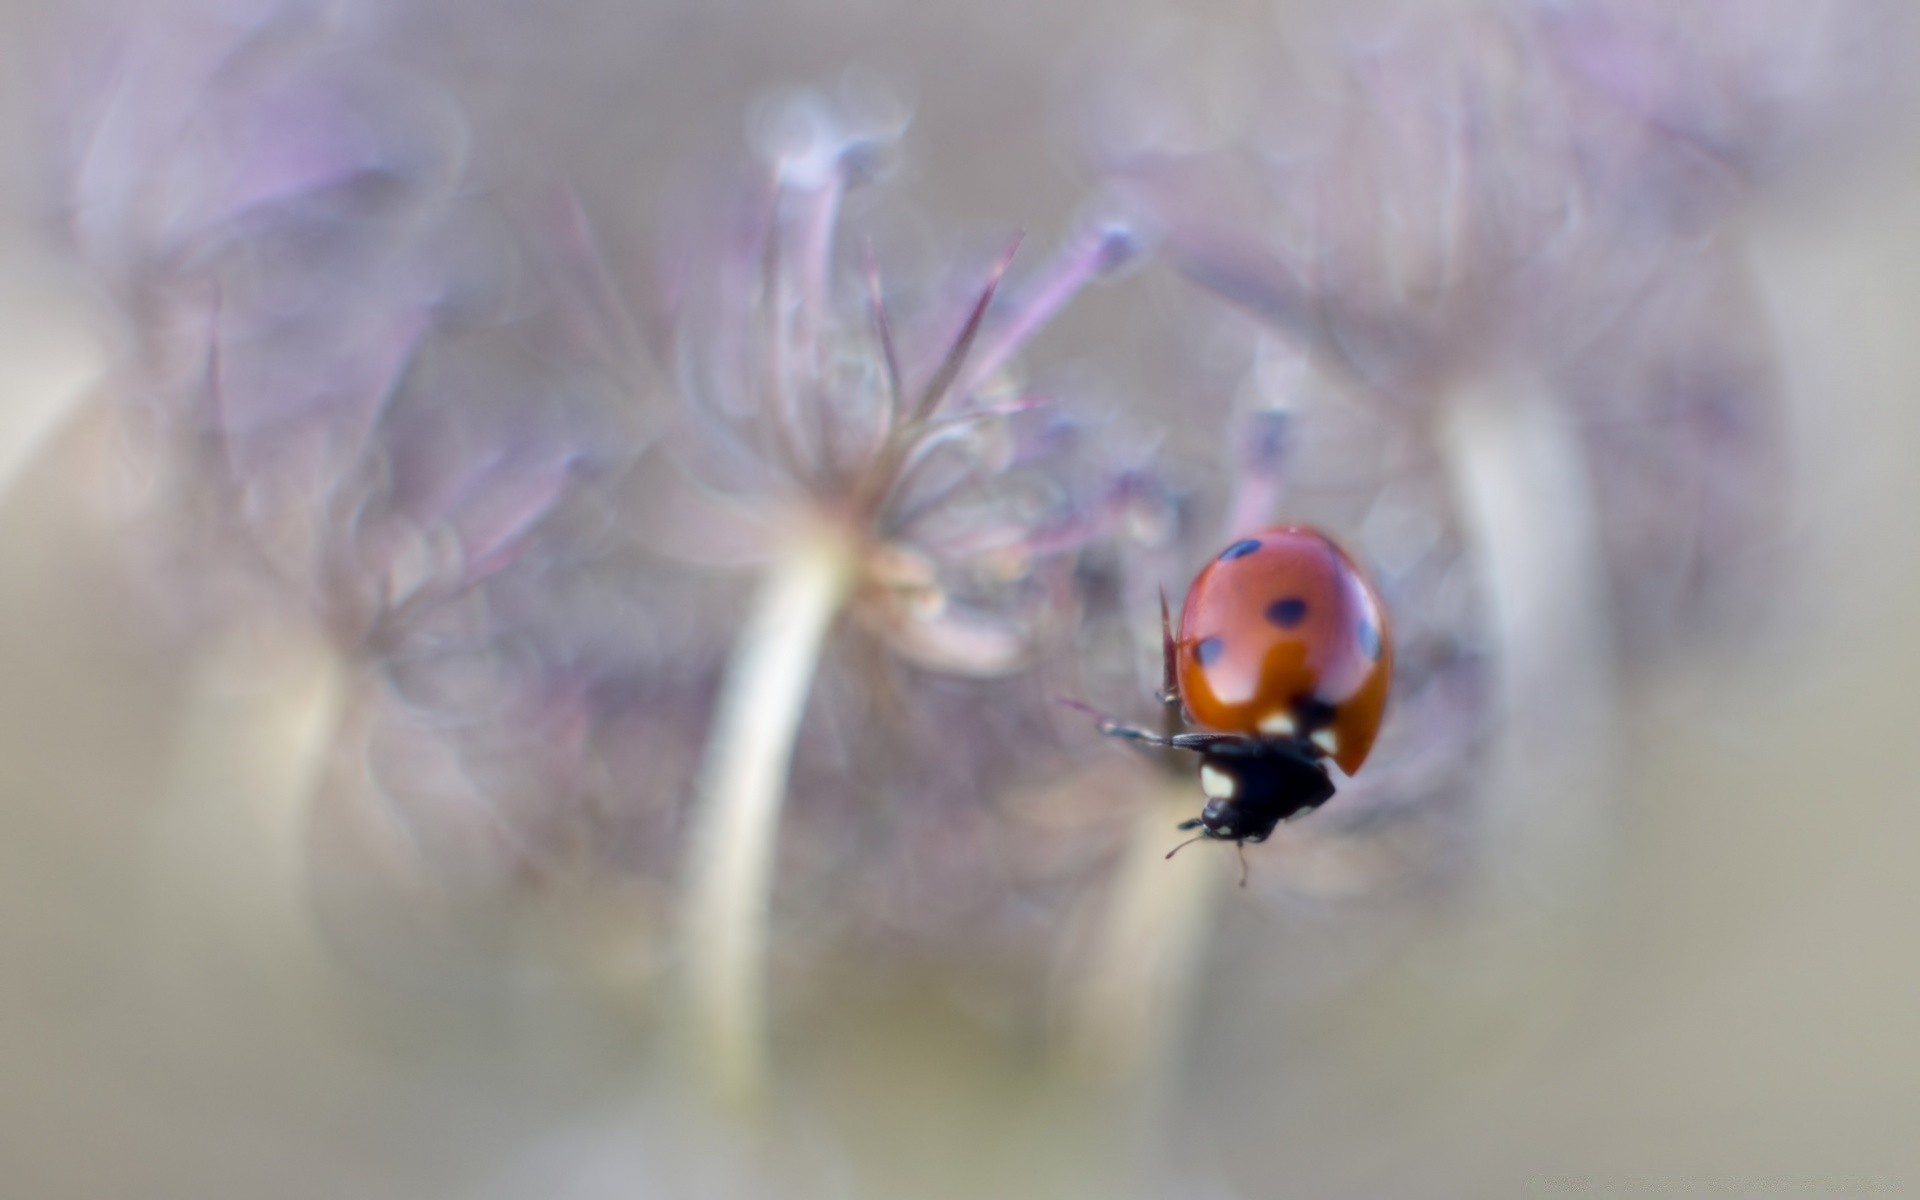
x=43, y=384
x=255, y=732
x=737, y=813
x=1134, y=991
x=1548, y=792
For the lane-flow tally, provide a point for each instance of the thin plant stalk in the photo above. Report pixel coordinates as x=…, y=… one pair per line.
x=1523, y=489
x=1134, y=993
x=31, y=427
x=257, y=727
x=1064, y=279
x=43, y=388
x=819, y=215
x=742, y=789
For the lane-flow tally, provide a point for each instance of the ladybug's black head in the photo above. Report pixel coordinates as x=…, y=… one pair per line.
x=1252, y=786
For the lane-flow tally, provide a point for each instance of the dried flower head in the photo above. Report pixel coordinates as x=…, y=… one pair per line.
x=818, y=394
x=367, y=398
x=872, y=454
x=1458, y=204
x=1504, y=298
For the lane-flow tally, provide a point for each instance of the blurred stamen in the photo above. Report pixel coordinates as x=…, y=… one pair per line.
x=1062, y=281
x=815, y=213
x=949, y=369
x=896, y=391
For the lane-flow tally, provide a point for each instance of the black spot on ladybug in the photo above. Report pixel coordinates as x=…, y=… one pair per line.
x=1240, y=549
x=1287, y=613
x=1314, y=713
x=1369, y=637
x=1209, y=650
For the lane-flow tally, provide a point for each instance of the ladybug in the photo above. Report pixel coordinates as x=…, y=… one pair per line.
x=1281, y=664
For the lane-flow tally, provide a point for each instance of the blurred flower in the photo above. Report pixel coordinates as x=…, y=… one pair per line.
x=367, y=393
x=1458, y=202
x=1762, y=87
x=378, y=388
x=809, y=401
x=1502, y=307
x=1392, y=835
x=1501, y=343
x=871, y=452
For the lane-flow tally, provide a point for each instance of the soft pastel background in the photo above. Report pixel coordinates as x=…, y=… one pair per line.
x=1737, y=1014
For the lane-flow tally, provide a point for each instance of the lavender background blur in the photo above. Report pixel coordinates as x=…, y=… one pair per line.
x=1727, y=1002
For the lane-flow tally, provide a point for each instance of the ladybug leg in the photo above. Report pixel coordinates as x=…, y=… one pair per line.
x=1172, y=741
x=1205, y=741
x=1134, y=733
x=1169, y=681
x=1120, y=729
x=1172, y=717
x=1146, y=737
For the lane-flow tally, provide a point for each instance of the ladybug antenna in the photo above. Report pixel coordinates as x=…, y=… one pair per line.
x=1242, y=848
x=1198, y=837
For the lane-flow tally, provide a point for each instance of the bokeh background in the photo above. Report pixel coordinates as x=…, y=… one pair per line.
x=1727, y=1007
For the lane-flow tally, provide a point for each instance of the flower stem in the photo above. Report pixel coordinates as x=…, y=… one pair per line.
x=255, y=732
x=1547, y=790
x=1132, y=997
x=737, y=811
x=43, y=387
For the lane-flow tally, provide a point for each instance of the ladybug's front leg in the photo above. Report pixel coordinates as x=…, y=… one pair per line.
x=1173, y=717
x=1175, y=741
x=1146, y=737
x=1130, y=733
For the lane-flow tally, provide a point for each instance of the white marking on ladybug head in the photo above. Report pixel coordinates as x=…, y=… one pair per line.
x=1215, y=783
x=1278, y=724
x=1325, y=739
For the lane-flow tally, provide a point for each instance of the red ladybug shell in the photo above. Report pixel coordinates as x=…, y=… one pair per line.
x=1281, y=635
